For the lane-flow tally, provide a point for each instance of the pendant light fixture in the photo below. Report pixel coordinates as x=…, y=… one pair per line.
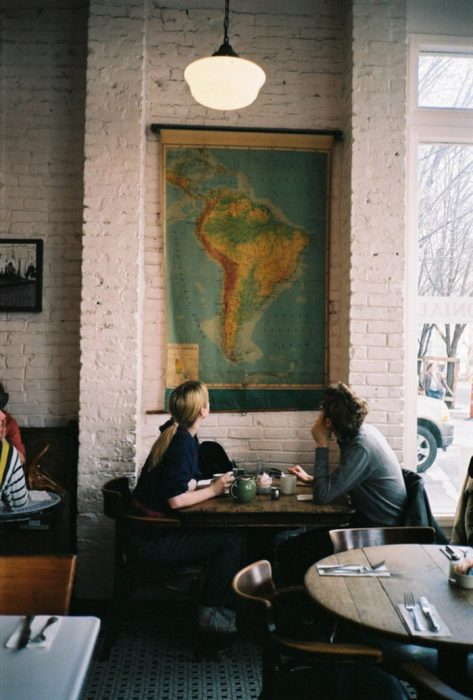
x=224, y=80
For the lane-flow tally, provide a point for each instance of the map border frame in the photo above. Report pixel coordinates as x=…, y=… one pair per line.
x=245, y=398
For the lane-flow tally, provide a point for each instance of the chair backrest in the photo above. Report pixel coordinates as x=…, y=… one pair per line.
x=355, y=538
x=36, y=584
x=418, y=511
x=117, y=504
x=253, y=587
x=116, y=497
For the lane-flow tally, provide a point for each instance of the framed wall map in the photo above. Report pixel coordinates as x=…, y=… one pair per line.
x=246, y=240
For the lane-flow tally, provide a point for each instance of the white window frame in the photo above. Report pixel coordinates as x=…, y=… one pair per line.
x=425, y=125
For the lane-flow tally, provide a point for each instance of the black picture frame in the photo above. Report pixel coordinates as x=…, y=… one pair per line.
x=21, y=274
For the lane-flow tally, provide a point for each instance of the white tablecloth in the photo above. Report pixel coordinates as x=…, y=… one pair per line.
x=56, y=673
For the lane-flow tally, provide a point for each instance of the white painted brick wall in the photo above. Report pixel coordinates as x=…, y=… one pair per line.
x=111, y=270
x=43, y=62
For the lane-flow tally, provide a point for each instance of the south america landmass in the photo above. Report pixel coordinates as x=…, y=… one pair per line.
x=257, y=250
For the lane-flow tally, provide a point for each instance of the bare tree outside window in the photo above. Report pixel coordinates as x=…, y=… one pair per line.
x=445, y=226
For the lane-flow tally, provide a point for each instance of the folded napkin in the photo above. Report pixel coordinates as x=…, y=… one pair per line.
x=39, y=496
x=37, y=625
x=202, y=483
x=353, y=570
x=424, y=625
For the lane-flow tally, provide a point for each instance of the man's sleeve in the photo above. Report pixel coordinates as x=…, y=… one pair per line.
x=351, y=471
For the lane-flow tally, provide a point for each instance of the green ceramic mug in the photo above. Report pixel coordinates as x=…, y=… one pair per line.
x=243, y=489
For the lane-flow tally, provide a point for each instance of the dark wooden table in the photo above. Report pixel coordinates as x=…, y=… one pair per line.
x=224, y=511
x=372, y=602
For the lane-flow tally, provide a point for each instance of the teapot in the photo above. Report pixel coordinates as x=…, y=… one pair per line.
x=243, y=489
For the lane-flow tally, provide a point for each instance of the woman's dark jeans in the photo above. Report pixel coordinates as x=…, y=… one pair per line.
x=223, y=550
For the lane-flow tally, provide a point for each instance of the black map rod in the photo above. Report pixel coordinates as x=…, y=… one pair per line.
x=336, y=133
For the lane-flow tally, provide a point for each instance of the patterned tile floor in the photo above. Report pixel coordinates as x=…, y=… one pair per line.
x=158, y=662
x=154, y=658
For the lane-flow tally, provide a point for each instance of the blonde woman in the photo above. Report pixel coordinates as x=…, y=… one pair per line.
x=168, y=482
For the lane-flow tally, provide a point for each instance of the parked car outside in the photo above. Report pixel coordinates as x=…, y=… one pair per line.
x=434, y=430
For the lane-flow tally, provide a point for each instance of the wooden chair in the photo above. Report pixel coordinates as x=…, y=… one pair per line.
x=260, y=612
x=131, y=571
x=428, y=685
x=355, y=538
x=36, y=584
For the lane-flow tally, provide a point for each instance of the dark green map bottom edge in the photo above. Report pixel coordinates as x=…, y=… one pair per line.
x=244, y=400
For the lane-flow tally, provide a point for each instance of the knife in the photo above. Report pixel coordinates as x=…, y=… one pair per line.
x=361, y=568
x=453, y=555
x=425, y=607
x=25, y=633
x=338, y=567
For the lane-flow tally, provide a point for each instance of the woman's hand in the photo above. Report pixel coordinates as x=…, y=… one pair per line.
x=301, y=473
x=221, y=484
x=191, y=497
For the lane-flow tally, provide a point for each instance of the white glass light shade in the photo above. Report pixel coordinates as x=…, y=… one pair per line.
x=224, y=82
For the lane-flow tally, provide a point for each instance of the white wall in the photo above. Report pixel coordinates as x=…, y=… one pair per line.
x=300, y=48
x=43, y=51
x=305, y=50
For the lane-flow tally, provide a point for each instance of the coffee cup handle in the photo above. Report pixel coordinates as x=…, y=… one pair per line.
x=232, y=486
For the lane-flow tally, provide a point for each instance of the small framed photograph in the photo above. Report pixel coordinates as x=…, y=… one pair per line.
x=21, y=274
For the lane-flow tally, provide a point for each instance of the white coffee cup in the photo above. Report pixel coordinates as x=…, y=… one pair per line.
x=288, y=484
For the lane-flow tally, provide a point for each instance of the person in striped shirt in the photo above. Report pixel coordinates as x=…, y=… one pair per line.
x=13, y=490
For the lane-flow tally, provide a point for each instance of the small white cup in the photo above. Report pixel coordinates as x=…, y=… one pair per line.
x=460, y=580
x=288, y=484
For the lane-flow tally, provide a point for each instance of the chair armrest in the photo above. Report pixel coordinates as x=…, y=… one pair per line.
x=287, y=592
x=326, y=651
x=421, y=677
x=152, y=520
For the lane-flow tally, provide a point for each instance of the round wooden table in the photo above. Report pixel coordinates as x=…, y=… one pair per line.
x=372, y=603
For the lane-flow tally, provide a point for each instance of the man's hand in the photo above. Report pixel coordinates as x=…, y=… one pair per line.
x=321, y=430
x=3, y=425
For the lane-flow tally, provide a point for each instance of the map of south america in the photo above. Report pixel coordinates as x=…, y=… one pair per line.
x=256, y=252
x=245, y=267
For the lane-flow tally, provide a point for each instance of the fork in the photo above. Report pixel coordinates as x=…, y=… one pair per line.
x=410, y=605
x=40, y=637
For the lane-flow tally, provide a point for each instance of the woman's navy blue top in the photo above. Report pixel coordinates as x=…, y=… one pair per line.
x=179, y=464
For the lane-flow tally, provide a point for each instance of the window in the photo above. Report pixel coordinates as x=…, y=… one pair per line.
x=445, y=80
x=441, y=240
